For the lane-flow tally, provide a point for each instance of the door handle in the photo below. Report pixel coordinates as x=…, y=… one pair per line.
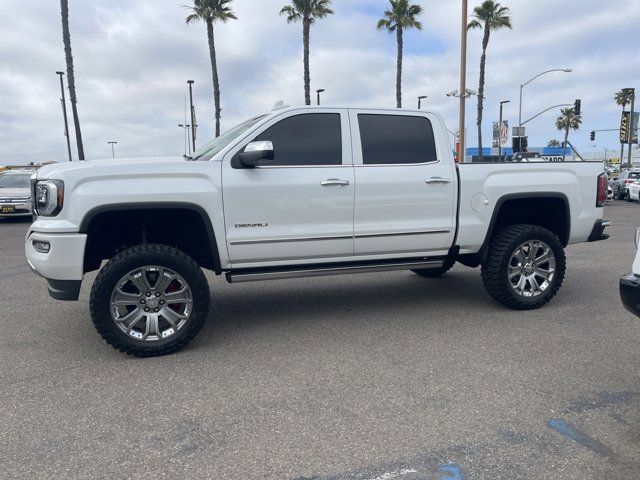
x=334, y=181
x=436, y=180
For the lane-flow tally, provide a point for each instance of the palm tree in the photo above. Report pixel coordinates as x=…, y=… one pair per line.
x=489, y=16
x=623, y=98
x=307, y=11
x=211, y=11
x=71, y=81
x=568, y=120
x=554, y=143
x=401, y=16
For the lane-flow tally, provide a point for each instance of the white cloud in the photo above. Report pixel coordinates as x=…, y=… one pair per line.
x=133, y=58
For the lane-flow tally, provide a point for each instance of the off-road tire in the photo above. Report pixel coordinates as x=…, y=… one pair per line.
x=140, y=256
x=495, y=268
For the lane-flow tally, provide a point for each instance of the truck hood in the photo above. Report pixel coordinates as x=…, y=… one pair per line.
x=56, y=170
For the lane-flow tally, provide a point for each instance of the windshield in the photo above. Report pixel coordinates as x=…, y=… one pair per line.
x=635, y=175
x=15, y=181
x=217, y=145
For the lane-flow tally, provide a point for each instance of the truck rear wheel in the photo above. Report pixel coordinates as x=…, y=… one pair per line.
x=149, y=300
x=525, y=267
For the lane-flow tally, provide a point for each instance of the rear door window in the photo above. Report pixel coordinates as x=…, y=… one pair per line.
x=396, y=139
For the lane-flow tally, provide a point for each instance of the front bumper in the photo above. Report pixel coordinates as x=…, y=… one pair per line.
x=630, y=293
x=62, y=266
x=20, y=209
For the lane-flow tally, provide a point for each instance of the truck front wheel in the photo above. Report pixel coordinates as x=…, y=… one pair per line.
x=149, y=300
x=525, y=267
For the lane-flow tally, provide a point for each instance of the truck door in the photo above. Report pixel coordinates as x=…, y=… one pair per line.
x=406, y=184
x=298, y=207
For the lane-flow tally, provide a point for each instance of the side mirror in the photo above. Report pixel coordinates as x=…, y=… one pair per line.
x=253, y=154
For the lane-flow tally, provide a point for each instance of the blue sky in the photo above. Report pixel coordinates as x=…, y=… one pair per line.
x=133, y=57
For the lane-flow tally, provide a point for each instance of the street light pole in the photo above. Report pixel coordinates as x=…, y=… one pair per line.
x=463, y=80
x=193, y=120
x=113, y=151
x=64, y=114
x=565, y=70
x=318, y=92
x=500, y=131
x=420, y=98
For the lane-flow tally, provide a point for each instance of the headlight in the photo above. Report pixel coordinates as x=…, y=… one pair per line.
x=48, y=197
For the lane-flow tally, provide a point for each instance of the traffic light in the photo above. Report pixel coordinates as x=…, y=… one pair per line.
x=593, y=136
x=524, y=144
x=516, y=144
x=577, y=106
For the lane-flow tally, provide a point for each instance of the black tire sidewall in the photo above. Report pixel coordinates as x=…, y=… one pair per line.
x=495, y=273
x=136, y=257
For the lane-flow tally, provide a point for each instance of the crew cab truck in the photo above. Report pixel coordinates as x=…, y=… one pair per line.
x=301, y=192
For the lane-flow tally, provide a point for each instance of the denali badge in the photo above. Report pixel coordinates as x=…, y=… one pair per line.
x=251, y=225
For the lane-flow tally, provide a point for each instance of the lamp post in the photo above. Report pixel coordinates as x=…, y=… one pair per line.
x=64, y=114
x=193, y=113
x=113, y=150
x=463, y=79
x=500, y=131
x=318, y=92
x=187, y=143
x=420, y=98
x=565, y=70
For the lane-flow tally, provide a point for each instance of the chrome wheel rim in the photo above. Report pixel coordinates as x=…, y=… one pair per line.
x=151, y=303
x=531, y=268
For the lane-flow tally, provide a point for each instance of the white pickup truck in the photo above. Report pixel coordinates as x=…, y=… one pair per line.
x=301, y=192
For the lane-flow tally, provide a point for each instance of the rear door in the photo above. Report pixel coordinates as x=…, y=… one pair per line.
x=298, y=207
x=406, y=186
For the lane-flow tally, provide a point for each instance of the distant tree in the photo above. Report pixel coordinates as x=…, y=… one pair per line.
x=623, y=98
x=554, y=143
x=568, y=120
x=211, y=11
x=489, y=16
x=71, y=79
x=306, y=11
x=399, y=18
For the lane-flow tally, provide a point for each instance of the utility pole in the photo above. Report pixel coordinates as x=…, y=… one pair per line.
x=113, y=151
x=500, y=131
x=463, y=79
x=420, y=98
x=193, y=113
x=632, y=126
x=64, y=114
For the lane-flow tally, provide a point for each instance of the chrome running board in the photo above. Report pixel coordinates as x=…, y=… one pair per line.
x=278, y=273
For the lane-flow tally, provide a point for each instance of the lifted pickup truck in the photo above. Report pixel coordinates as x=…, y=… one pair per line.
x=301, y=192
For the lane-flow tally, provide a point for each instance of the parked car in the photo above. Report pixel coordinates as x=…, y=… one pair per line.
x=609, y=192
x=630, y=283
x=15, y=193
x=309, y=191
x=620, y=183
x=632, y=192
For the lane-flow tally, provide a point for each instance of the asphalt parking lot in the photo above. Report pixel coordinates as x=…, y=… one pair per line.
x=380, y=376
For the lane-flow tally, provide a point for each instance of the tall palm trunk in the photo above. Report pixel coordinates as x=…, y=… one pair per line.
x=399, y=67
x=66, y=39
x=564, y=145
x=306, y=31
x=483, y=62
x=214, y=74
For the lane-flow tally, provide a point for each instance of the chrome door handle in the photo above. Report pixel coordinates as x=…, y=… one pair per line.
x=334, y=181
x=435, y=180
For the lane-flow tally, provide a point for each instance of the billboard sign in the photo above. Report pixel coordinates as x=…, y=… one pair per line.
x=625, y=127
x=500, y=134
